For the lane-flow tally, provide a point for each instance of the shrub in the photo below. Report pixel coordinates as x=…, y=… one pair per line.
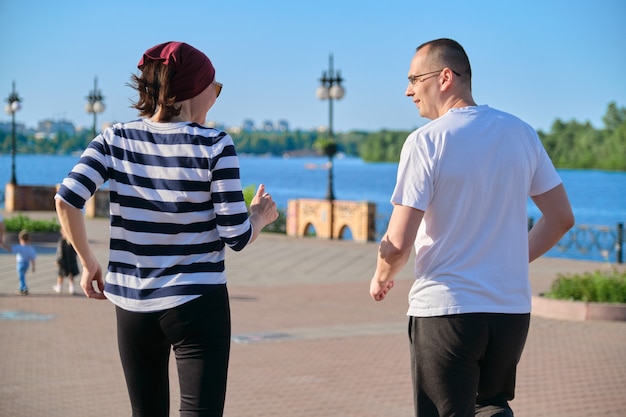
x=279, y=225
x=597, y=287
x=248, y=194
x=21, y=222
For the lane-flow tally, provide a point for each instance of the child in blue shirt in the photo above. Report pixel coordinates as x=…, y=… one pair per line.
x=25, y=255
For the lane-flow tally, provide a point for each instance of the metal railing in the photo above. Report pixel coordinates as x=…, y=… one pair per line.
x=587, y=239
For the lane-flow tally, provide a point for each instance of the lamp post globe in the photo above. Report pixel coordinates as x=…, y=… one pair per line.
x=336, y=92
x=98, y=107
x=322, y=92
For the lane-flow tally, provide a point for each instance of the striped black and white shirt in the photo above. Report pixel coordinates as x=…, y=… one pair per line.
x=175, y=202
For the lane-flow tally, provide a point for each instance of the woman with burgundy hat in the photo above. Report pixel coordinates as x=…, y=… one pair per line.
x=176, y=202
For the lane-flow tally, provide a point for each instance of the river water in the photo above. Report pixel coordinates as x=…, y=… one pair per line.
x=597, y=197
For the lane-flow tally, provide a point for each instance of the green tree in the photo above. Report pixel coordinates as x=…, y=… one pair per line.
x=614, y=117
x=383, y=146
x=579, y=145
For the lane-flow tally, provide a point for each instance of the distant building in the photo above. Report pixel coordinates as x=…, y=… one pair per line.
x=49, y=127
x=215, y=125
x=282, y=126
x=268, y=126
x=19, y=127
x=248, y=125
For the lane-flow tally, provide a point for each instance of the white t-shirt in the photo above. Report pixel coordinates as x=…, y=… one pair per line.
x=471, y=171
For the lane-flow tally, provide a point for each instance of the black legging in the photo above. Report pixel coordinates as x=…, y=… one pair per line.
x=199, y=332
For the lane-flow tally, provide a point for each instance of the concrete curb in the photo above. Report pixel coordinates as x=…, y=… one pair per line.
x=577, y=310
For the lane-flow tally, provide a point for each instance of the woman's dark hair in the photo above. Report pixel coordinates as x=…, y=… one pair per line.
x=153, y=87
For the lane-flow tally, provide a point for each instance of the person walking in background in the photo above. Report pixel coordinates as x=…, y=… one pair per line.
x=460, y=199
x=2, y=229
x=67, y=264
x=176, y=202
x=25, y=256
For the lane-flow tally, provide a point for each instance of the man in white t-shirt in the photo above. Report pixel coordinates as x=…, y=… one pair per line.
x=460, y=199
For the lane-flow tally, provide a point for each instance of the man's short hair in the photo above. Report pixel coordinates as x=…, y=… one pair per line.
x=449, y=53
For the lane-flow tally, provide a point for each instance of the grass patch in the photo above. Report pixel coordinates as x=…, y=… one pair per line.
x=596, y=287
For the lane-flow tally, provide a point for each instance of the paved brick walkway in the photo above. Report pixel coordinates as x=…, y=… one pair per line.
x=307, y=341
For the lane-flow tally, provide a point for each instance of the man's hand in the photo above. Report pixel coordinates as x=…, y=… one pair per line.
x=378, y=290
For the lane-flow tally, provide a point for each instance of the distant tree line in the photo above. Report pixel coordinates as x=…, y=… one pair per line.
x=61, y=143
x=579, y=145
x=570, y=144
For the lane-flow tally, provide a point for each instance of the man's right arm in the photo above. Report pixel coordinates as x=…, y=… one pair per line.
x=395, y=249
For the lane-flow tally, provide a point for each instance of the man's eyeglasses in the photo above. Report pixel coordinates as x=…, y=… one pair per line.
x=415, y=78
x=218, y=88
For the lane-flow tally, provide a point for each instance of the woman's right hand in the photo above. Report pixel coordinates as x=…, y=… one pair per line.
x=263, y=205
x=262, y=211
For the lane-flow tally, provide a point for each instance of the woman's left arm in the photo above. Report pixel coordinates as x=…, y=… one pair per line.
x=73, y=224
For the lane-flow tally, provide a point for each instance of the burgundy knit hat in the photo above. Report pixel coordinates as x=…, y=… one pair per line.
x=193, y=71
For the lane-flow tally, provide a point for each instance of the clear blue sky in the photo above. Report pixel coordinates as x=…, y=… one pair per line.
x=538, y=59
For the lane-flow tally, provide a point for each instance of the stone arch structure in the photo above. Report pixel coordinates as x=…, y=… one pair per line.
x=345, y=229
x=308, y=228
x=329, y=218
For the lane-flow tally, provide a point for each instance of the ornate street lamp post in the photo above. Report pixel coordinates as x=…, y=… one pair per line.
x=94, y=104
x=11, y=108
x=330, y=89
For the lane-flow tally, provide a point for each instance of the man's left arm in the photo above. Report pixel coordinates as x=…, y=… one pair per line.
x=556, y=219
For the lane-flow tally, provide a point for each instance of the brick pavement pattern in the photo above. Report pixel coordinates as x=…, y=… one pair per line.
x=307, y=341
